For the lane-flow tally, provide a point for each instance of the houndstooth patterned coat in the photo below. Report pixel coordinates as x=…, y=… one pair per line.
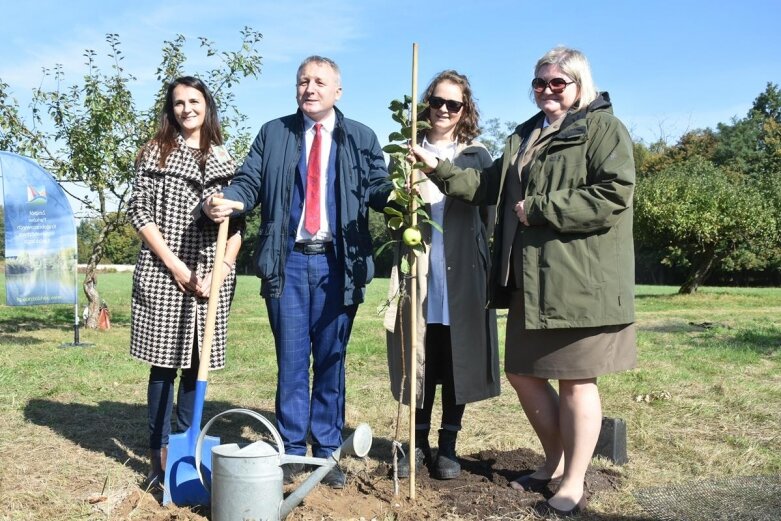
x=163, y=319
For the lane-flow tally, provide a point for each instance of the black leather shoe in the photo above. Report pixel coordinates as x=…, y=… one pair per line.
x=530, y=484
x=335, y=478
x=546, y=509
x=290, y=471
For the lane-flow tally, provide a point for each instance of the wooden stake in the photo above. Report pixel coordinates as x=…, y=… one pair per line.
x=413, y=368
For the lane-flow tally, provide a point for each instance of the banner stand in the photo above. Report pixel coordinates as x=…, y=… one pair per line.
x=76, y=342
x=40, y=239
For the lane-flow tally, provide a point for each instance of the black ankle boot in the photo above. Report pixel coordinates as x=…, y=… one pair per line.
x=422, y=454
x=446, y=466
x=156, y=476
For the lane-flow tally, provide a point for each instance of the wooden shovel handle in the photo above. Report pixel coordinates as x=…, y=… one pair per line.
x=214, y=291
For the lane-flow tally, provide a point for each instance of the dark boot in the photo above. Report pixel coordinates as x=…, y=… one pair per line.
x=335, y=478
x=290, y=471
x=422, y=454
x=156, y=476
x=446, y=466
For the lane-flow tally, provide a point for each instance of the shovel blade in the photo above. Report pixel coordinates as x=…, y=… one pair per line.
x=182, y=484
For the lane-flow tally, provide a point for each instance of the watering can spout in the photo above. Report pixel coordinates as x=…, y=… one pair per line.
x=358, y=444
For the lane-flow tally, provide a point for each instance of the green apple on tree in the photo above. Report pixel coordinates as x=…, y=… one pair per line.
x=411, y=236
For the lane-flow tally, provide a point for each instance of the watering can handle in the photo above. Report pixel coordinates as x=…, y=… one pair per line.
x=199, y=445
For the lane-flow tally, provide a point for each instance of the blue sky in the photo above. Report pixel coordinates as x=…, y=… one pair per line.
x=670, y=66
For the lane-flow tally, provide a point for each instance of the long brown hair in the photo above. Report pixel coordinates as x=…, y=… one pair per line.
x=168, y=128
x=467, y=127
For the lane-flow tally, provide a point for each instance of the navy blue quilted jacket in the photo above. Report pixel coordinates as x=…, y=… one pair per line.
x=267, y=179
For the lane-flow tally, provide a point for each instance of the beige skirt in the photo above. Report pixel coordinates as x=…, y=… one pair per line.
x=568, y=353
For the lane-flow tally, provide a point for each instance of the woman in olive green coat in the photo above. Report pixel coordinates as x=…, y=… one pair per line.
x=563, y=263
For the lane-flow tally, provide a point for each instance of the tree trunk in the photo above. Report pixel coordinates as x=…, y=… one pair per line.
x=700, y=273
x=90, y=286
x=90, y=283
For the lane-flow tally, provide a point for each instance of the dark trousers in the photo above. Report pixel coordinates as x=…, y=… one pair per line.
x=439, y=369
x=160, y=401
x=311, y=322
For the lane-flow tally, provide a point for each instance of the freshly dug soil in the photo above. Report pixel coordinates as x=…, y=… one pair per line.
x=481, y=492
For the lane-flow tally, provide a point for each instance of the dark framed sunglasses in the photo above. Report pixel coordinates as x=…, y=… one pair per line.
x=557, y=85
x=452, y=105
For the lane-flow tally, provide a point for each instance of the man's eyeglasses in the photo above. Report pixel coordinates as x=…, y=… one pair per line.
x=452, y=105
x=557, y=85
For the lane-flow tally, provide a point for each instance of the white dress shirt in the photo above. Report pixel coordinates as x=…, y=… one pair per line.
x=325, y=234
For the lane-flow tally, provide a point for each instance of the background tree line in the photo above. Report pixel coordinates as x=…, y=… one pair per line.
x=708, y=208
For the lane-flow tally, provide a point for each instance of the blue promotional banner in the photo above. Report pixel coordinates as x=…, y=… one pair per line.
x=40, y=236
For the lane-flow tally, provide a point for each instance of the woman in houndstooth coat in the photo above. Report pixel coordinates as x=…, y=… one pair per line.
x=181, y=165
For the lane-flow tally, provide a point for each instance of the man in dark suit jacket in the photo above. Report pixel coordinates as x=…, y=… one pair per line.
x=314, y=174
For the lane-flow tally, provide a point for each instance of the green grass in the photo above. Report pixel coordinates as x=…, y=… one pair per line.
x=704, y=401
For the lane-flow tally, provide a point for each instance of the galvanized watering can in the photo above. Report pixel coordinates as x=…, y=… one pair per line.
x=246, y=482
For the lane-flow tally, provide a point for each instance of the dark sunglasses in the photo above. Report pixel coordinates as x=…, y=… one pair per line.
x=452, y=105
x=557, y=85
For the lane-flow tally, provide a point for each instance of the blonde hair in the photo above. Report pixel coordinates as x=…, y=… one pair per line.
x=574, y=64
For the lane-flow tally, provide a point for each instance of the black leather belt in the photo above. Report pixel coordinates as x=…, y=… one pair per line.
x=313, y=248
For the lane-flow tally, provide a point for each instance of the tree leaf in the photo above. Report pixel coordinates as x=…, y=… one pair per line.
x=403, y=195
x=382, y=248
x=400, y=118
x=433, y=224
x=393, y=148
x=395, y=223
x=404, y=265
x=396, y=106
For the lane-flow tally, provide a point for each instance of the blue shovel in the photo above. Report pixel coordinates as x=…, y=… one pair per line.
x=182, y=483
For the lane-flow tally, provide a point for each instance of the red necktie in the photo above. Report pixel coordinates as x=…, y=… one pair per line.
x=312, y=218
